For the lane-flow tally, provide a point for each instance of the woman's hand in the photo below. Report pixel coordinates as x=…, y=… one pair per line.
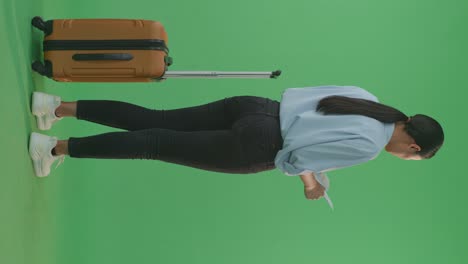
x=315, y=192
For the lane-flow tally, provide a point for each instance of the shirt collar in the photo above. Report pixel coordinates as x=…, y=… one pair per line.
x=389, y=128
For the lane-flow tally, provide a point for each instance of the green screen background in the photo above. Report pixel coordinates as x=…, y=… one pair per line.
x=410, y=54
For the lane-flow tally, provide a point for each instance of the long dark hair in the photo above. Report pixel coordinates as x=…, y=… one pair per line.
x=425, y=131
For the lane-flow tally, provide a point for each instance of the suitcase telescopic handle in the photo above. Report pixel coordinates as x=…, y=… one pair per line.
x=216, y=74
x=103, y=56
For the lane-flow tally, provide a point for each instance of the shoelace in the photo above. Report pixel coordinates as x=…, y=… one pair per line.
x=61, y=159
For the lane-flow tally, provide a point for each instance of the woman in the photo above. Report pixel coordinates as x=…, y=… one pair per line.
x=311, y=131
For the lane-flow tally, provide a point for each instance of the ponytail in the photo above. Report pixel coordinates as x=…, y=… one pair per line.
x=343, y=105
x=425, y=131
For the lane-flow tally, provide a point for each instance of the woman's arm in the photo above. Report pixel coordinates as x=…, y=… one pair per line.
x=313, y=190
x=309, y=180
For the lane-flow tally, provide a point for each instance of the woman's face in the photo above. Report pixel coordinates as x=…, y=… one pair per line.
x=404, y=150
x=410, y=157
x=403, y=145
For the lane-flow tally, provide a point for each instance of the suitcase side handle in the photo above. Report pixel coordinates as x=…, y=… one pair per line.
x=103, y=56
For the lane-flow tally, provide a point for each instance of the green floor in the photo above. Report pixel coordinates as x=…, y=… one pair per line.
x=411, y=54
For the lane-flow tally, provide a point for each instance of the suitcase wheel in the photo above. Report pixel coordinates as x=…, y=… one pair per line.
x=42, y=25
x=44, y=70
x=37, y=22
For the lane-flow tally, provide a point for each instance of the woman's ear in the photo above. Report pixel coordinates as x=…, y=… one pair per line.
x=415, y=147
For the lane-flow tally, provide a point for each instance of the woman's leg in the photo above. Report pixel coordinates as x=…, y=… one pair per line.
x=249, y=147
x=217, y=115
x=133, y=117
x=214, y=150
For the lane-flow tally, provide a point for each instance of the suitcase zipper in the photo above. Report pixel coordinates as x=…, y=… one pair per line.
x=125, y=44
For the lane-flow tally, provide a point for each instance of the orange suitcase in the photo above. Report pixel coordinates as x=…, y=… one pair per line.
x=113, y=50
x=103, y=50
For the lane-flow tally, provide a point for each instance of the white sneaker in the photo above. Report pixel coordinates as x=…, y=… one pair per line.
x=40, y=150
x=43, y=107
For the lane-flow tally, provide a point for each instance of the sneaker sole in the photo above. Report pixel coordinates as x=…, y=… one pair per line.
x=37, y=99
x=37, y=161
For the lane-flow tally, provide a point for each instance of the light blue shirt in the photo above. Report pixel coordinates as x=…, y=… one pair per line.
x=317, y=143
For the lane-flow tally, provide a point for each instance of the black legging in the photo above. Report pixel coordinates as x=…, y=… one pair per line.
x=238, y=134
